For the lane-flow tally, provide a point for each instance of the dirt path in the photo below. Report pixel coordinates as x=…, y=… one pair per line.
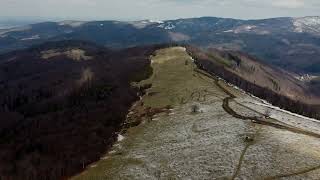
x=206, y=145
x=254, y=119
x=235, y=174
x=258, y=120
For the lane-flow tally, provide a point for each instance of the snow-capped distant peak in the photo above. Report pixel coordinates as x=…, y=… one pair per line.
x=31, y=38
x=309, y=24
x=170, y=26
x=4, y=32
x=244, y=28
x=71, y=23
x=167, y=26
x=228, y=31
x=310, y=20
x=155, y=21
x=144, y=23
x=248, y=29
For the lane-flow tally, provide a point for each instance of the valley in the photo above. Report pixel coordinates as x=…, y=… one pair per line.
x=192, y=125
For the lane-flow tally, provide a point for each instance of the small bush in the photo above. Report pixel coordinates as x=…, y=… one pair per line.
x=195, y=108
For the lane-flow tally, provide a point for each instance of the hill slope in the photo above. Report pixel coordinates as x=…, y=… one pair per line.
x=61, y=105
x=211, y=131
x=65, y=102
x=277, y=86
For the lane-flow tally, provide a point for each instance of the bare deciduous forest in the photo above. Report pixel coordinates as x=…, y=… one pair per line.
x=59, y=115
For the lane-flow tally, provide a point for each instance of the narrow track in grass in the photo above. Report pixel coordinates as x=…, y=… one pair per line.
x=261, y=121
x=243, y=153
x=254, y=119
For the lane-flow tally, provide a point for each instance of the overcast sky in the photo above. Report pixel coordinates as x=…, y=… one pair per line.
x=156, y=9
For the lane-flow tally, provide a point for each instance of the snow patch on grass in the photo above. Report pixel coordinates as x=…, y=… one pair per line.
x=120, y=138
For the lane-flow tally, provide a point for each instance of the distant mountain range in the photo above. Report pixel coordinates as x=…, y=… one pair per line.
x=7, y=23
x=290, y=43
x=68, y=88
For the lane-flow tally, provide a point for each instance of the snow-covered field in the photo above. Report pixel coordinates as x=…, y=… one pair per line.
x=212, y=144
x=284, y=116
x=209, y=145
x=309, y=24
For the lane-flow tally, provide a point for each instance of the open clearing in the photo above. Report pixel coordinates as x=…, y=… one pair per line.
x=75, y=54
x=208, y=142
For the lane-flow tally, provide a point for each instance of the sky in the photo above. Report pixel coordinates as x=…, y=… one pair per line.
x=154, y=9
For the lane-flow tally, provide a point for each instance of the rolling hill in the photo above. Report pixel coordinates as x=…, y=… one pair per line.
x=65, y=102
x=290, y=43
x=277, y=86
x=211, y=131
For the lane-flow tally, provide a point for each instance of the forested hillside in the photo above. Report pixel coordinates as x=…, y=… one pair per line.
x=61, y=105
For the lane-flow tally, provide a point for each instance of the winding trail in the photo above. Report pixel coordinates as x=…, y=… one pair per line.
x=261, y=121
x=240, y=148
x=254, y=119
x=238, y=168
x=235, y=174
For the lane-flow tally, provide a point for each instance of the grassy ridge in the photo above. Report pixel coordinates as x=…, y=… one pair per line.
x=174, y=82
